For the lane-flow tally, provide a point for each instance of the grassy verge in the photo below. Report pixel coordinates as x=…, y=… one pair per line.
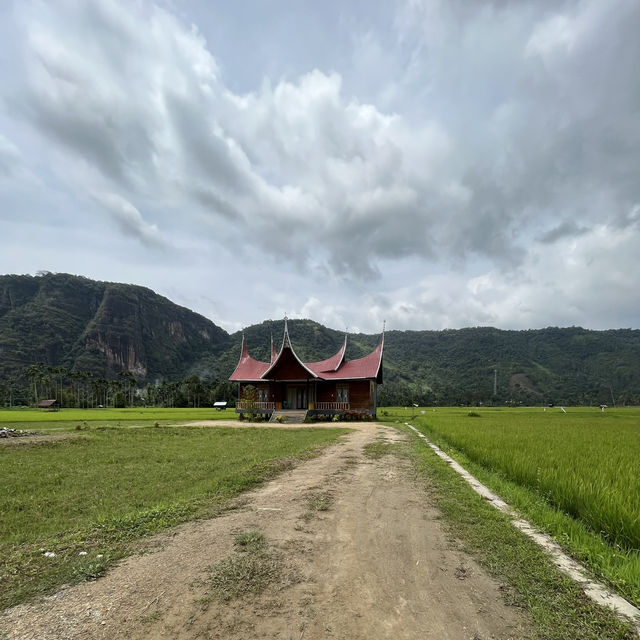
x=557, y=607
x=88, y=500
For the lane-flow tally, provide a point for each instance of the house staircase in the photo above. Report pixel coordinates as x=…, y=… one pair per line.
x=293, y=416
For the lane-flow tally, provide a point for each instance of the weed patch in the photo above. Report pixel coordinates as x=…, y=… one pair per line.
x=378, y=449
x=250, y=541
x=320, y=502
x=249, y=570
x=244, y=574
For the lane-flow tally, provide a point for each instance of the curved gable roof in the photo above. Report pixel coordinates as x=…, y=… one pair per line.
x=287, y=353
x=248, y=369
x=369, y=367
x=335, y=368
x=330, y=364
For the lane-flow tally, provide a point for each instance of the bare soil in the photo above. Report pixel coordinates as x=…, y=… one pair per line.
x=359, y=550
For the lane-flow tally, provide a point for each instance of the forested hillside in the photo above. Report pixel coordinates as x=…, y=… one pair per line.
x=95, y=342
x=101, y=327
x=552, y=365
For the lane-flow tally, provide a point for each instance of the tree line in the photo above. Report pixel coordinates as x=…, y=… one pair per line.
x=84, y=389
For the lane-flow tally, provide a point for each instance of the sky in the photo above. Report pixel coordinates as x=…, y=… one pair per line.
x=432, y=163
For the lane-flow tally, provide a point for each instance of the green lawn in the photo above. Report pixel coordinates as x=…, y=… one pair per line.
x=575, y=474
x=102, y=489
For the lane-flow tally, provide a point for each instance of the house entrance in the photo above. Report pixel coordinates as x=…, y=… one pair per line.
x=297, y=397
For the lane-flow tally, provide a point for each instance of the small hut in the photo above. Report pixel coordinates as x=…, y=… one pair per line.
x=49, y=405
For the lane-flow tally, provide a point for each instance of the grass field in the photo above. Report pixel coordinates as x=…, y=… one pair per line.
x=89, y=497
x=69, y=419
x=575, y=474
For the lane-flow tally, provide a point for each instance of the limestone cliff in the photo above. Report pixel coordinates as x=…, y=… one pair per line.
x=101, y=327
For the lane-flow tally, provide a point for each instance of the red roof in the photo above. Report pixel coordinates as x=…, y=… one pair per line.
x=335, y=368
x=330, y=364
x=249, y=369
x=369, y=367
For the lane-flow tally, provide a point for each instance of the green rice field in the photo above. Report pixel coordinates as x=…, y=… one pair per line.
x=575, y=474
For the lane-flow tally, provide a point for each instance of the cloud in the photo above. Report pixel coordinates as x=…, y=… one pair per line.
x=429, y=173
x=10, y=157
x=297, y=163
x=567, y=229
x=129, y=219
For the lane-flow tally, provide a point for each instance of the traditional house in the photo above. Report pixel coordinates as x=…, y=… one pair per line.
x=330, y=387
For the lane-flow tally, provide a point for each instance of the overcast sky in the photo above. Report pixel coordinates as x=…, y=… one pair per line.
x=435, y=163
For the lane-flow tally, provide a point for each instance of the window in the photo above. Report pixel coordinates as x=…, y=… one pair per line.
x=342, y=393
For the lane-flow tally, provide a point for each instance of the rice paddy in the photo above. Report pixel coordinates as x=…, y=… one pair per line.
x=577, y=474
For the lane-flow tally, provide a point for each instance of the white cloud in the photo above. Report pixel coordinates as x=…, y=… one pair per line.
x=428, y=174
x=129, y=219
x=555, y=33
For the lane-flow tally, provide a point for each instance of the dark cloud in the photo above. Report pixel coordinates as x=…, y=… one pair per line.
x=567, y=229
x=458, y=139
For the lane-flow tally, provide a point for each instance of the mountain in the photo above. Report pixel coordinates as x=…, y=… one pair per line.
x=105, y=327
x=102, y=327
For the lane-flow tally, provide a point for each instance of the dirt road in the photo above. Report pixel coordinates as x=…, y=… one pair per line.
x=354, y=550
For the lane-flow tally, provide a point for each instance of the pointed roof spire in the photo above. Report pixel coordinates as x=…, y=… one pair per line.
x=248, y=368
x=286, y=344
x=286, y=340
x=243, y=346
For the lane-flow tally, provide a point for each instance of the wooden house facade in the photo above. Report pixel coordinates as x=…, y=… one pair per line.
x=329, y=387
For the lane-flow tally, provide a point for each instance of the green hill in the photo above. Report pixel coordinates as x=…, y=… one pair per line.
x=101, y=327
x=104, y=328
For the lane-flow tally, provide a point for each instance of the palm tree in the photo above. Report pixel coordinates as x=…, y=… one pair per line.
x=131, y=383
x=10, y=383
x=35, y=372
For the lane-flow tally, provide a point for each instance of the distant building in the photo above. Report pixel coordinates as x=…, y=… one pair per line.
x=49, y=405
x=330, y=387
